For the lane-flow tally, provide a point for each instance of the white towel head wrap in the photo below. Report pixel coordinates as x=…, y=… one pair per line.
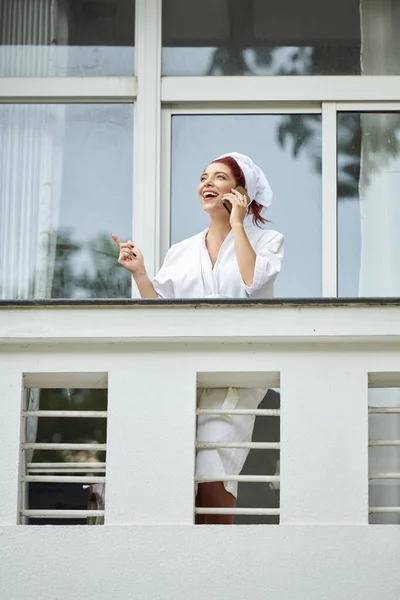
x=257, y=185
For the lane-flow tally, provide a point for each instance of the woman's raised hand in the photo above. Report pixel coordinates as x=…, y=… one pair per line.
x=239, y=201
x=130, y=256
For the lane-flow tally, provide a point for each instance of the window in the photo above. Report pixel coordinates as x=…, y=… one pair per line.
x=65, y=186
x=264, y=37
x=384, y=448
x=67, y=88
x=368, y=206
x=273, y=141
x=80, y=38
x=64, y=456
x=249, y=466
x=263, y=462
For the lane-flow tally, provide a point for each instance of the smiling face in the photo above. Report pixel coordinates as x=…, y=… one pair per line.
x=216, y=181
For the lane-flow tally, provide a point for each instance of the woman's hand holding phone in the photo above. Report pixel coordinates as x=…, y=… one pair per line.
x=237, y=201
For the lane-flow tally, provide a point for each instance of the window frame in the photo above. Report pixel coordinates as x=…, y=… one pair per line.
x=328, y=225
x=329, y=111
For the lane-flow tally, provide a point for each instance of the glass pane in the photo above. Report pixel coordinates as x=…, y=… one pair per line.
x=65, y=186
x=66, y=37
x=368, y=204
x=265, y=37
x=288, y=149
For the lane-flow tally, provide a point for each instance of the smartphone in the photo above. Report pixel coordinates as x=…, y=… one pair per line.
x=225, y=205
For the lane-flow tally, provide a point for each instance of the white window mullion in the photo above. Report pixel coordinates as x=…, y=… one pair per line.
x=329, y=200
x=146, y=189
x=165, y=199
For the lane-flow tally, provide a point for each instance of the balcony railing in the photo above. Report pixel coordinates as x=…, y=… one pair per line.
x=151, y=356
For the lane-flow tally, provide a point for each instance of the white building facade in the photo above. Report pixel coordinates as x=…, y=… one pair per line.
x=109, y=111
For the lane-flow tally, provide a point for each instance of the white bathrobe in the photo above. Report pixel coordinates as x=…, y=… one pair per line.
x=187, y=272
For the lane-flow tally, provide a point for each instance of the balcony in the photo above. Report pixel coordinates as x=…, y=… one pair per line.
x=331, y=363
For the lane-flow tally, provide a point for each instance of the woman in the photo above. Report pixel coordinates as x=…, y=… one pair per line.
x=227, y=260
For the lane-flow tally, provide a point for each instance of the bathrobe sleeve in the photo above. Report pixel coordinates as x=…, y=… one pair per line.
x=163, y=282
x=269, y=257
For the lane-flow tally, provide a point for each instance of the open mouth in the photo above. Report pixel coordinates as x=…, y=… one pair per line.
x=207, y=195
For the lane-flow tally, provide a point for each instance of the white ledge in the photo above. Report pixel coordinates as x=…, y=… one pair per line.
x=68, y=89
x=280, y=89
x=174, y=323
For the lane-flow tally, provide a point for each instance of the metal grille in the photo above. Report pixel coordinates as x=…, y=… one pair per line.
x=384, y=463
x=51, y=478
x=272, y=479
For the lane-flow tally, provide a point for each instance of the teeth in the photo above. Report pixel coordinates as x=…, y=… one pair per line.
x=210, y=194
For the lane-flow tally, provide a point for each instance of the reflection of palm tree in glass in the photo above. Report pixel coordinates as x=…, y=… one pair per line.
x=64, y=283
x=229, y=61
x=103, y=278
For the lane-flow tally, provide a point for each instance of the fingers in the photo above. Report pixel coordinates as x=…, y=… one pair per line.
x=126, y=246
x=116, y=240
x=230, y=197
x=131, y=245
x=240, y=193
x=127, y=252
x=235, y=198
x=126, y=256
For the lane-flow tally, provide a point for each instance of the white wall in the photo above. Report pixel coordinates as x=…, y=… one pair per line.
x=169, y=563
x=149, y=547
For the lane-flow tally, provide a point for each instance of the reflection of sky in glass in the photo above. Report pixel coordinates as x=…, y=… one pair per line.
x=97, y=61
x=200, y=61
x=96, y=194
x=349, y=233
x=296, y=211
x=349, y=246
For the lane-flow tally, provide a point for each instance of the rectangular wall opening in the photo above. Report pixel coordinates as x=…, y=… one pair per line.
x=384, y=448
x=238, y=447
x=63, y=449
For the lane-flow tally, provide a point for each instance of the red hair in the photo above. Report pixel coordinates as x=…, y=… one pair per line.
x=238, y=175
